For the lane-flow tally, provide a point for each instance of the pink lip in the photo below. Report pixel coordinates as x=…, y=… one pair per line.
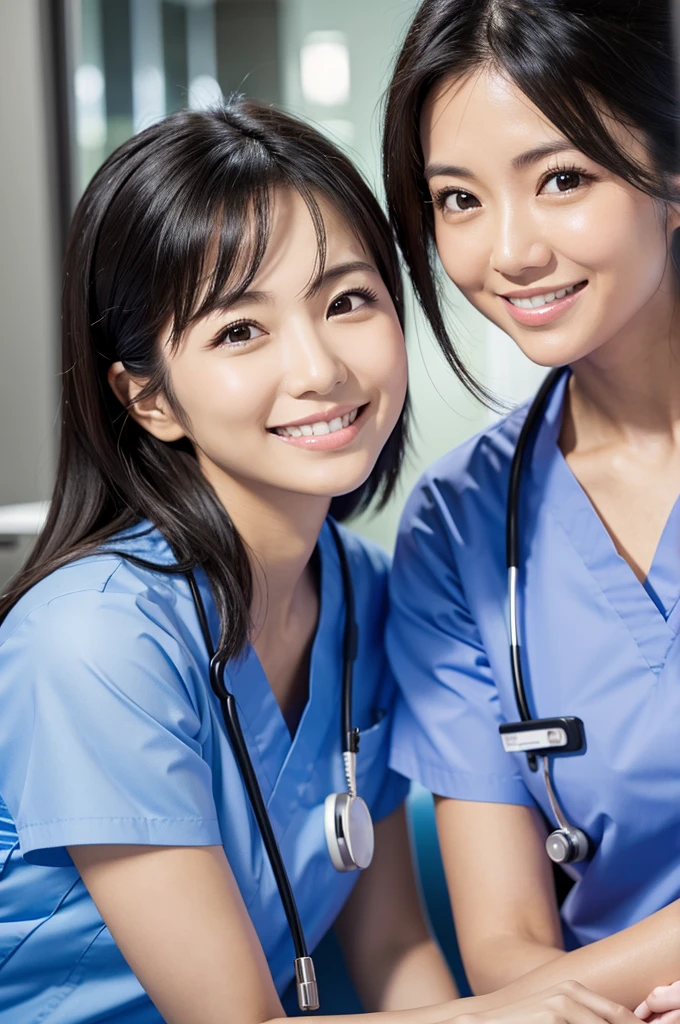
x=336, y=412
x=326, y=442
x=543, y=314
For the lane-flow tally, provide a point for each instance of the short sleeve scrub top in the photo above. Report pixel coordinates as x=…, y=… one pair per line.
x=596, y=643
x=110, y=733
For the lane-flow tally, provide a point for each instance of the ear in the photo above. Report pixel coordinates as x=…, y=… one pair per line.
x=152, y=413
x=673, y=217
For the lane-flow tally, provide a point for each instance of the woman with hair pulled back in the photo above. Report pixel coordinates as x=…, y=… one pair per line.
x=183, y=800
x=530, y=153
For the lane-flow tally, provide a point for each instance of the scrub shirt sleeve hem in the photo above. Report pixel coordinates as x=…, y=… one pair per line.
x=45, y=842
x=392, y=796
x=493, y=789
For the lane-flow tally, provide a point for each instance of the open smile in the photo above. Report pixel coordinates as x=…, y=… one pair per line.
x=533, y=307
x=332, y=430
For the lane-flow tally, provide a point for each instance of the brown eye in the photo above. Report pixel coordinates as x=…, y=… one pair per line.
x=341, y=305
x=456, y=201
x=465, y=200
x=349, y=302
x=564, y=181
x=239, y=334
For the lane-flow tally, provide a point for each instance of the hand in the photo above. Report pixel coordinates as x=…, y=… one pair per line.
x=663, y=1004
x=568, y=1003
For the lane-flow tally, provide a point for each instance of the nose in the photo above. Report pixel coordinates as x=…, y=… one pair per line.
x=518, y=244
x=311, y=364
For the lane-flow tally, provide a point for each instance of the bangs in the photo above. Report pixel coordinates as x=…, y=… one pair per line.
x=222, y=262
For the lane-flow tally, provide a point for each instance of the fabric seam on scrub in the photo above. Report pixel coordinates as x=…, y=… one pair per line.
x=70, y=593
x=426, y=773
x=655, y=669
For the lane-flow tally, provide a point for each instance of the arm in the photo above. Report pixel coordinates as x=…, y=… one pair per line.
x=178, y=918
x=392, y=958
x=501, y=887
x=509, y=887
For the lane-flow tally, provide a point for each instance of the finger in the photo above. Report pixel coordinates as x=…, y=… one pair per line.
x=663, y=998
x=604, y=1009
x=573, y=1011
x=642, y=1011
x=672, y=1017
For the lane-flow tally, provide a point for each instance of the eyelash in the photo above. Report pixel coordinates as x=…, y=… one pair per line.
x=221, y=338
x=568, y=169
x=366, y=293
x=440, y=197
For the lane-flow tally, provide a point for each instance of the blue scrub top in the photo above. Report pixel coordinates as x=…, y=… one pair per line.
x=110, y=733
x=596, y=643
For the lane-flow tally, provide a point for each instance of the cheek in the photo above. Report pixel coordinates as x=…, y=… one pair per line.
x=464, y=255
x=223, y=392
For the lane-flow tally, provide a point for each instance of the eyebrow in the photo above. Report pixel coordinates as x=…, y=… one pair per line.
x=339, y=270
x=227, y=302
x=523, y=160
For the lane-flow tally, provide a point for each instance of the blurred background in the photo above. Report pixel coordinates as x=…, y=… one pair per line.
x=78, y=77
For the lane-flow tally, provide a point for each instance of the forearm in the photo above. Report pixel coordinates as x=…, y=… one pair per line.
x=505, y=958
x=439, y=1014
x=624, y=967
x=410, y=976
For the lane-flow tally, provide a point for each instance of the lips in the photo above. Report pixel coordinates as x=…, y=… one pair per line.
x=326, y=439
x=535, y=308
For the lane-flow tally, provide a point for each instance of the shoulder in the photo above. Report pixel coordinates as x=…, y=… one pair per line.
x=471, y=479
x=96, y=597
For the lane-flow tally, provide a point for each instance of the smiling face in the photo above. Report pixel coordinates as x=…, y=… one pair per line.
x=560, y=253
x=293, y=389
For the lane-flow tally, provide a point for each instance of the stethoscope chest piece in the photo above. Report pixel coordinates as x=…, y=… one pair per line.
x=349, y=832
x=567, y=845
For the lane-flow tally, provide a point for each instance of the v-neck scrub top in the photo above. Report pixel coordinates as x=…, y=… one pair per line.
x=110, y=733
x=596, y=643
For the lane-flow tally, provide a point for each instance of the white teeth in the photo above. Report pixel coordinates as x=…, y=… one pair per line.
x=319, y=428
x=541, y=300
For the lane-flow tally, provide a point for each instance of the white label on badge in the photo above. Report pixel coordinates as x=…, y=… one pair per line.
x=533, y=739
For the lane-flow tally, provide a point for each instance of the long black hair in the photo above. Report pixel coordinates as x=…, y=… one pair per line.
x=576, y=60
x=141, y=249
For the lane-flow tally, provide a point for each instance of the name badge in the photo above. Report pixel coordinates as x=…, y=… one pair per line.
x=543, y=736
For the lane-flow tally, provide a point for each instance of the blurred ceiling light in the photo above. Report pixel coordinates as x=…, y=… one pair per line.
x=89, y=84
x=90, y=106
x=148, y=96
x=204, y=92
x=324, y=69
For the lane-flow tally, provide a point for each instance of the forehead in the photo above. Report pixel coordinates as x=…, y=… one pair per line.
x=298, y=246
x=481, y=114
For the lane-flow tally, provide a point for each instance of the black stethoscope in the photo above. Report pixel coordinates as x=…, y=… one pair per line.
x=347, y=819
x=538, y=737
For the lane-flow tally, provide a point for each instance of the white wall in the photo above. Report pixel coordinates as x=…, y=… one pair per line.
x=29, y=319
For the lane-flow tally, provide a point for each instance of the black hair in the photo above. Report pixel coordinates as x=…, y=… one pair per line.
x=177, y=218
x=576, y=60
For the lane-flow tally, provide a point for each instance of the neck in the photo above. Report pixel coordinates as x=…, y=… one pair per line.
x=280, y=531
x=629, y=389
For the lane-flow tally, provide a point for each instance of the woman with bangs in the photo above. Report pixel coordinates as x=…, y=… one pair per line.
x=531, y=154
x=177, y=831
